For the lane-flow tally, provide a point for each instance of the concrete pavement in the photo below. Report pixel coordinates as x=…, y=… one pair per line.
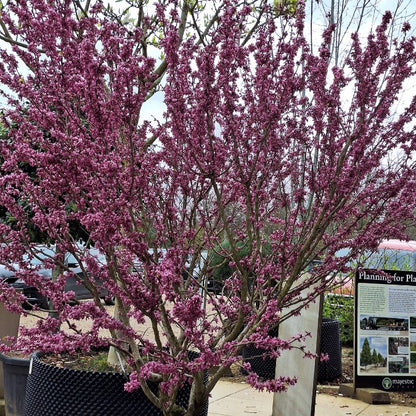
x=236, y=399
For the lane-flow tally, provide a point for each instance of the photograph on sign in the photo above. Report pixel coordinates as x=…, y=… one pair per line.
x=385, y=336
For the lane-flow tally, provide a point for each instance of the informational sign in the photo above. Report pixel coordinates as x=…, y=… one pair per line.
x=385, y=336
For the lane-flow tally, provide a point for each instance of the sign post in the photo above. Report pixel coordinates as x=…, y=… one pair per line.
x=385, y=336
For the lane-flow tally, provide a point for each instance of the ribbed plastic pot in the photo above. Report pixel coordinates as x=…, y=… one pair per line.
x=330, y=344
x=263, y=367
x=15, y=372
x=56, y=391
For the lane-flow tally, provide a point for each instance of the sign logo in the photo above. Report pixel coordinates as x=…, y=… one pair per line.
x=387, y=383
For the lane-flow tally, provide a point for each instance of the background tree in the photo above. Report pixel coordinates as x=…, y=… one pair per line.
x=381, y=359
x=374, y=357
x=365, y=355
x=257, y=131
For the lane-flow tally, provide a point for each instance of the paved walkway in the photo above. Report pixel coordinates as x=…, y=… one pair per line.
x=234, y=399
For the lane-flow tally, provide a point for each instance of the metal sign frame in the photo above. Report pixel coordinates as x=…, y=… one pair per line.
x=385, y=330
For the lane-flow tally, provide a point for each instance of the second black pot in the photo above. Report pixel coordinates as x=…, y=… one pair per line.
x=15, y=370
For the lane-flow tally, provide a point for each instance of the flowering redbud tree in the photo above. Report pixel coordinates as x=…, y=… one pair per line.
x=261, y=145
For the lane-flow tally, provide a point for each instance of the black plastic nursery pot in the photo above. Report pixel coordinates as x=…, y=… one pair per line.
x=15, y=372
x=330, y=344
x=264, y=367
x=56, y=391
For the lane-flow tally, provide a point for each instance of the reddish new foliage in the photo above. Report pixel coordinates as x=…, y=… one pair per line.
x=262, y=145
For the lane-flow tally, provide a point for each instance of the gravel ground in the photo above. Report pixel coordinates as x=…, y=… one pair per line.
x=30, y=321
